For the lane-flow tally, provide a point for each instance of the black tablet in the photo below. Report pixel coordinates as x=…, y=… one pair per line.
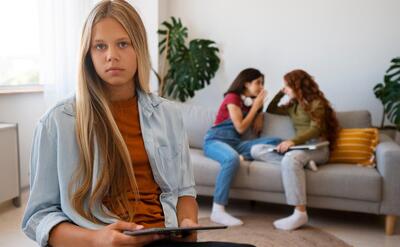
x=175, y=231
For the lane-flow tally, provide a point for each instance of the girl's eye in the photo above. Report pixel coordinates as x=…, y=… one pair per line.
x=100, y=46
x=123, y=44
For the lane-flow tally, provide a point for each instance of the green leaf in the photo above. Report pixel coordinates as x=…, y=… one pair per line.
x=393, y=67
x=389, y=92
x=191, y=67
x=162, y=42
x=162, y=49
x=165, y=23
x=395, y=60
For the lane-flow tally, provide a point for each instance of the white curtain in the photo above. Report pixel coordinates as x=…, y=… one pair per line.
x=61, y=23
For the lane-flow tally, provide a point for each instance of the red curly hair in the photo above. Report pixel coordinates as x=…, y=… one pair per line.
x=306, y=91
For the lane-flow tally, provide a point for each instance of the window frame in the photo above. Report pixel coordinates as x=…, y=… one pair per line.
x=18, y=89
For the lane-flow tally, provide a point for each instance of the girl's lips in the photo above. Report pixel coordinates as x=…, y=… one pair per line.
x=114, y=71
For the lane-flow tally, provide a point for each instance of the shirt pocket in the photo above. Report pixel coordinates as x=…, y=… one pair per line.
x=169, y=158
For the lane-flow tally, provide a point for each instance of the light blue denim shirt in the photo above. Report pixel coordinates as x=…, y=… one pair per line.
x=55, y=156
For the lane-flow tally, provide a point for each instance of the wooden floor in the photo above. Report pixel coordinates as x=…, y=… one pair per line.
x=357, y=229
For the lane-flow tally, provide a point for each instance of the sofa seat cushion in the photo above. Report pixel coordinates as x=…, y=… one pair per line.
x=333, y=180
x=345, y=181
x=206, y=170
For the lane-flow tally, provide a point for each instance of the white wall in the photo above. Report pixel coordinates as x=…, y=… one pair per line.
x=148, y=11
x=24, y=109
x=346, y=45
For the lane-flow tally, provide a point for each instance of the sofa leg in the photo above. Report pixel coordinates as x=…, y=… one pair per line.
x=390, y=223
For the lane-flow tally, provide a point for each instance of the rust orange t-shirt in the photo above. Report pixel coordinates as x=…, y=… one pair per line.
x=149, y=212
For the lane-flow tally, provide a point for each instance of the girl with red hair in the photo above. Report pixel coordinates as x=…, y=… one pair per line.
x=314, y=120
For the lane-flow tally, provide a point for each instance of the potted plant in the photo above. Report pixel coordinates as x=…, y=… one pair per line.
x=190, y=67
x=388, y=93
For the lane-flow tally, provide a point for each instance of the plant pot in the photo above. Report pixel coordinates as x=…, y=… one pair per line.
x=397, y=139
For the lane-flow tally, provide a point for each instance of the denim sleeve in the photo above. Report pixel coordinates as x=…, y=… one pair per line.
x=43, y=210
x=187, y=184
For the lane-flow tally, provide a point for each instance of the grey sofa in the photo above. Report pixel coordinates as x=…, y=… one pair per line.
x=333, y=186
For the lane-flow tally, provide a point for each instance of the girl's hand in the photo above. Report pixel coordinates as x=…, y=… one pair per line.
x=112, y=236
x=284, y=146
x=258, y=124
x=191, y=237
x=259, y=100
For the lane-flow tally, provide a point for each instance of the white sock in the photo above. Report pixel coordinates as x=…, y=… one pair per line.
x=312, y=166
x=294, y=221
x=218, y=215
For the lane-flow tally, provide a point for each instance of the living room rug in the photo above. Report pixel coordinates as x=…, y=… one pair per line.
x=259, y=231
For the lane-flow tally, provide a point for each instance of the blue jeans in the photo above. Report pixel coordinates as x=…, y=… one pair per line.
x=223, y=144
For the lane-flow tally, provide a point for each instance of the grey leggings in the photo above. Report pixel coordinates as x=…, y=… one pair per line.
x=292, y=168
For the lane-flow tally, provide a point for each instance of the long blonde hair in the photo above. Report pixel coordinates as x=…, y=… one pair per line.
x=95, y=123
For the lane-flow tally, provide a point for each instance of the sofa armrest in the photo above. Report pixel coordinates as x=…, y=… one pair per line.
x=384, y=138
x=388, y=165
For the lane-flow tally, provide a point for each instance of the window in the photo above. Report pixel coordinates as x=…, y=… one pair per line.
x=19, y=44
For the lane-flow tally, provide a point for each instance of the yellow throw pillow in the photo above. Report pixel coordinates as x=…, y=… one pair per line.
x=355, y=146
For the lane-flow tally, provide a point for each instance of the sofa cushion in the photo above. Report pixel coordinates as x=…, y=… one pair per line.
x=344, y=181
x=206, y=170
x=341, y=181
x=277, y=125
x=334, y=180
x=263, y=177
x=197, y=121
x=355, y=146
x=354, y=119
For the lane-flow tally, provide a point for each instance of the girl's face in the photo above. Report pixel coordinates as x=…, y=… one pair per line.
x=288, y=91
x=112, y=53
x=254, y=87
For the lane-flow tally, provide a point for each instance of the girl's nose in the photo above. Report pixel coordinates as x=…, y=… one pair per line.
x=112, y=54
